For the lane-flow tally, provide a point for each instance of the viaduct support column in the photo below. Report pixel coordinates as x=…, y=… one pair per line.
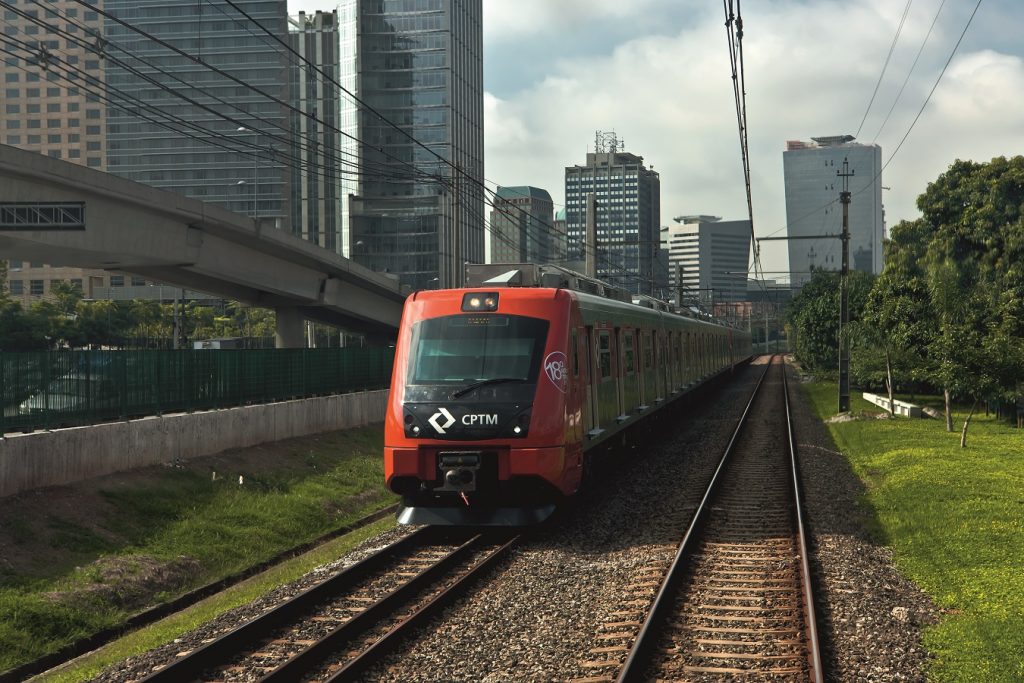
x=290, y=329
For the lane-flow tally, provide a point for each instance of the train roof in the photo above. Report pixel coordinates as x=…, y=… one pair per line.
x=550, y=276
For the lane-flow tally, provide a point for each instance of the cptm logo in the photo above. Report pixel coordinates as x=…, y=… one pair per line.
x=557, y=369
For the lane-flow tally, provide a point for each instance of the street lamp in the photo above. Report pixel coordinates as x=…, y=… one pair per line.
x=255, y=173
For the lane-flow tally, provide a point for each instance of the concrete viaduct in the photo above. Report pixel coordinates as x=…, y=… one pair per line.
x=61, y=213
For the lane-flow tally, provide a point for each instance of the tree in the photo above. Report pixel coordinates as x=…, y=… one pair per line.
x=975, y=279
x=814, y=317
x=898, y=319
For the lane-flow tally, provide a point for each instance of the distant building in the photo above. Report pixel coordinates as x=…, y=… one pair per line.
x=560, y=237
x=813, y=208
x=628, y=215
x=420, y=65
x=54, y=111
x=521, y=226
x=315, y=188
x=712, y=256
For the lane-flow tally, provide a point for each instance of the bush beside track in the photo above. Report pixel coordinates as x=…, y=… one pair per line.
x=83, y=558
x=955, y=521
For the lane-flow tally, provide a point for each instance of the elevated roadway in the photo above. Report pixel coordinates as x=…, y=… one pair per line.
x=60, y=213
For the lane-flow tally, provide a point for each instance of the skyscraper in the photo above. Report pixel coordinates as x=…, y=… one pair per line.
x=712, y=256
x=521, y=226
x=190, y=146
x=813, y=208
x=316, y=176
x=628, y=214
x=418, y=69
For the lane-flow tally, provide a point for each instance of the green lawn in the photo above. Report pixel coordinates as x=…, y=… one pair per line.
x=955, y=520
x=142, y=538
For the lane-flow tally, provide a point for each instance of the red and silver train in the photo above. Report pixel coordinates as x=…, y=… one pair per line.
x=500, y=390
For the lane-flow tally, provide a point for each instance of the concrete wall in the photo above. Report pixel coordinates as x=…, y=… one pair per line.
x=64, y=456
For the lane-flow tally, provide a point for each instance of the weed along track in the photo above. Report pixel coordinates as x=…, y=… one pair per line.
x=736, y=600
x=335, y=629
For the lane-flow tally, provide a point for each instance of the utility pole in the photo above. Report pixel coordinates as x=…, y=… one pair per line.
x=844, y=293
x=590, y=246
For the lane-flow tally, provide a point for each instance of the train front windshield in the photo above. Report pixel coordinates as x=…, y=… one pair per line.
x=462, y=349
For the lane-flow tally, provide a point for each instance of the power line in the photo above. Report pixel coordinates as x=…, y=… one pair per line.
x=892, y=46
x=911, y=71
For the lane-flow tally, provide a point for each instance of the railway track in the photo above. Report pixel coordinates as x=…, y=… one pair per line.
x=335, y=629
x=736, y=601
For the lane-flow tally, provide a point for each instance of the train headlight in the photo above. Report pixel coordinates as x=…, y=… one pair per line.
x=480, y=301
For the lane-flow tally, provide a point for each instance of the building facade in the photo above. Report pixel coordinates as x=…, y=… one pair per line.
x=418, y=210
x=813, y=208
x=711, y=256
x=315, y=124
x=521, y=226
x=628, y=218
x=52, y=104
x=229, y=145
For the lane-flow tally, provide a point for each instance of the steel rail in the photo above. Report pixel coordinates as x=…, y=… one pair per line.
x=810, y=618
x=634, y=667
x=221, y=649
x=302, y=663
x=380, y=648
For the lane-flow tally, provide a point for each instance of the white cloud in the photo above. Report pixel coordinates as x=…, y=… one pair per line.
x=504, y=20
x=810, y=71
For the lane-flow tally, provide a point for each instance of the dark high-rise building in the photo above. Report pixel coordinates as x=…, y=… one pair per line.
x=419, y=65
x=188, y=147
x=316, y=174
x=521, y=226
x=628, y=215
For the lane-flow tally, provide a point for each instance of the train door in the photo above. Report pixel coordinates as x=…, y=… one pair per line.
x=620, y=372
x=606, y=389
x=590, y=400
x=578, y=394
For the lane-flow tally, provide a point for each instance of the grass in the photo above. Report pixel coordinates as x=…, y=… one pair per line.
x=955, y=520
x=145, y=539
x=166, y=630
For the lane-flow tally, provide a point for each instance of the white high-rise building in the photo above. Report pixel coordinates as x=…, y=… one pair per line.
x=813, y=208
x=712, y=256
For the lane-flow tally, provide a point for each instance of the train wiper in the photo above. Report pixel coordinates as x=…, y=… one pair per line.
x=482, y=383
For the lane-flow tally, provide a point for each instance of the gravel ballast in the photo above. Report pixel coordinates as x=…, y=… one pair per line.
x=543, y=612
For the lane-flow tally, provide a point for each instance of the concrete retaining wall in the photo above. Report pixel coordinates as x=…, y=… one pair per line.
x=63, y=456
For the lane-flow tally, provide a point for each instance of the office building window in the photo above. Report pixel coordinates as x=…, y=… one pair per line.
x=53, y=139
x=74, y=154
x=117, y=280
x=138, y=281
x=76, y=283
x=35, y=287
x=92, y=162
x=13, y=139
x=16, y=286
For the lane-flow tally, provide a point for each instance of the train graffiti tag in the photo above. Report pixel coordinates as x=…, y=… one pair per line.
x=557, y=370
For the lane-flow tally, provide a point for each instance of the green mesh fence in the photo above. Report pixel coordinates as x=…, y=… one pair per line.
x=49, y=389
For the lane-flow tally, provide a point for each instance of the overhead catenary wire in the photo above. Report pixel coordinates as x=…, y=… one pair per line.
x=911, y=70
x=892, y=47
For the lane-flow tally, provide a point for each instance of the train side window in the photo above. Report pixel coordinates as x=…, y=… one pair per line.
x=604, y=354
x=574, y=352
x=648, y=350
x=627, y=345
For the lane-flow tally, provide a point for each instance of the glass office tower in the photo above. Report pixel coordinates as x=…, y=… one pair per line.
x=189, y=147
x=316, y=178
x=418, y=68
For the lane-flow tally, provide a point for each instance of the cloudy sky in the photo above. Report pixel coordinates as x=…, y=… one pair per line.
x=657, y=73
